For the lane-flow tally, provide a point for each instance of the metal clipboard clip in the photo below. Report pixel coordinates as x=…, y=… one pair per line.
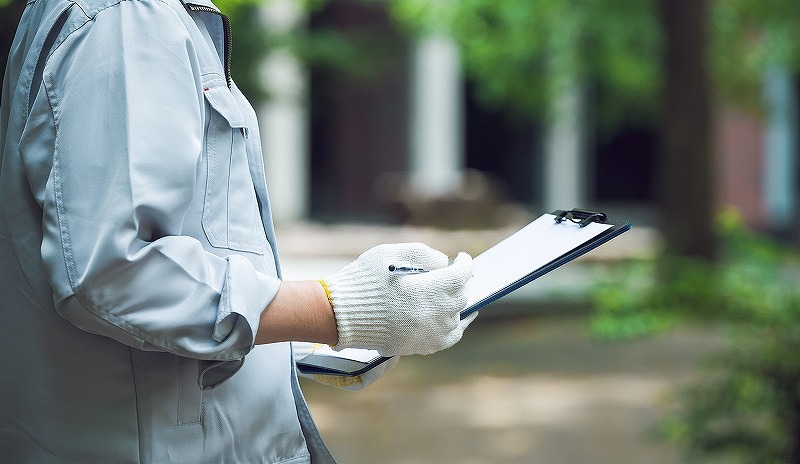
x=580, y=216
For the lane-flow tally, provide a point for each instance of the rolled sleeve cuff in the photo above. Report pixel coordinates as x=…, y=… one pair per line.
x=244, y=296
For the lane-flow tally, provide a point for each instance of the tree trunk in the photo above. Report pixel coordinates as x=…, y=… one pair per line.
x=686, y=175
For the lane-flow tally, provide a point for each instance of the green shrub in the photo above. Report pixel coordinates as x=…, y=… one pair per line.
x=746, y=404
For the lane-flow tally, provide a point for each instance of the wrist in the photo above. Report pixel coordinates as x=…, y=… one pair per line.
x=300, y=311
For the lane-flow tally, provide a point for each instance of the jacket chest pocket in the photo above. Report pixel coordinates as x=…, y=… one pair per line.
x=231, y=212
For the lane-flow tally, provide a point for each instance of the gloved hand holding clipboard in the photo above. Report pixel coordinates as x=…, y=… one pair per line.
x=543, y=245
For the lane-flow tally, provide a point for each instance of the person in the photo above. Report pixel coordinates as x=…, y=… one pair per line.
x=144, y=317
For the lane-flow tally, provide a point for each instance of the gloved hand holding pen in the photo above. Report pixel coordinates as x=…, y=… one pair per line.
x=400, y=313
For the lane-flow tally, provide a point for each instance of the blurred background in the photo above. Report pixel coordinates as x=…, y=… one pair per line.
x=454, y=122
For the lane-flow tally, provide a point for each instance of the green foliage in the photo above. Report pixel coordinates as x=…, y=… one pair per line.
x=625, y=303
x=747, y=407
x=735, y=417
x=357, y=53
x=522, y=52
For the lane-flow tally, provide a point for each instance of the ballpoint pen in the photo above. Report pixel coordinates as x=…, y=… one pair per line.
x=406, y=268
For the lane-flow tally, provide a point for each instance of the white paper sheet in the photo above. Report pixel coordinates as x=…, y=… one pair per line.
x=353, y=354
x=530, y=248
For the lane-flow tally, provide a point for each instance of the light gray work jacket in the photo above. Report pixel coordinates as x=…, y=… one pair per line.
x=136, y=247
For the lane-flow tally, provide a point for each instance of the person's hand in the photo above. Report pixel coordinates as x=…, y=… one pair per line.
x=400, y=314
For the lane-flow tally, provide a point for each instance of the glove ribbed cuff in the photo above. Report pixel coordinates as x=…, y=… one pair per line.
x=359, y=306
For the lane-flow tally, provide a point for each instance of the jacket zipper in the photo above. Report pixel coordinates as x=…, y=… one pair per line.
x=226, y=29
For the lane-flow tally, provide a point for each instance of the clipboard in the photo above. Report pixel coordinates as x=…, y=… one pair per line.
x=545, y=244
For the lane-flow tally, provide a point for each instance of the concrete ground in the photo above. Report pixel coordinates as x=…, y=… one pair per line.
x=534, y=389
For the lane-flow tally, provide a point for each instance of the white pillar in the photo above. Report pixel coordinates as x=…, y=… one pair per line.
x=780, y=185
x=283, y=119
x=565, y=148
x=436, y=119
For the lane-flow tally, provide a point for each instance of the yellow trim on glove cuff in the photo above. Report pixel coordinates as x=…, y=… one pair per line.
x=327, y=291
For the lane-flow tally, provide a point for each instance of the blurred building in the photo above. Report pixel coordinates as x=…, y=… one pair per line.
x=402, y=138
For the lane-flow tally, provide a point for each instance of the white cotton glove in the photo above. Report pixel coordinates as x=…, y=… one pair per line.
x=401, y=314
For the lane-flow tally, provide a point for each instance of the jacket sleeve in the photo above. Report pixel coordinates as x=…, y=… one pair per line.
x=127, y=107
